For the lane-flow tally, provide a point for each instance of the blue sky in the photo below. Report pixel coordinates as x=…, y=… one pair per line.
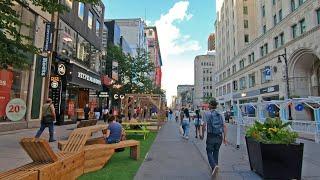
x=183, y=28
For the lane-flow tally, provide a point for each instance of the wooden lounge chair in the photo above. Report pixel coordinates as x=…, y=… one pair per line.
x=46, y=164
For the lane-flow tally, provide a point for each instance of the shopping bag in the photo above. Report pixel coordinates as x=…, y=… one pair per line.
x=181, y=130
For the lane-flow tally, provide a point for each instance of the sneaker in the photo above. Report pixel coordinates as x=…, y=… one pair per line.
x=52, y=140
x=196, y=137
x=215, y=171
x=187, y=137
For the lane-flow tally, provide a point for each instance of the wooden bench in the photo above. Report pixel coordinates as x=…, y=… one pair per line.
x=46, y=164
x=86, y=123
x=133, y=144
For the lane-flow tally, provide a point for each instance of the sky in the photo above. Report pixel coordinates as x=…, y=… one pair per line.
x=183, y=28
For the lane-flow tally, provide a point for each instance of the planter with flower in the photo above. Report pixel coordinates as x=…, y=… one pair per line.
x=273, y=151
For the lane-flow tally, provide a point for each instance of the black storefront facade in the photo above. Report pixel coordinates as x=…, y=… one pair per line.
x=73, y=89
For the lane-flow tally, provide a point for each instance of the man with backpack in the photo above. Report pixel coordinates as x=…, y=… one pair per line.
x=216, y=134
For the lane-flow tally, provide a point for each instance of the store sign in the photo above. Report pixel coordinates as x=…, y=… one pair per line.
x=117, y=96
x=269, y=89
x=48, y=40
x=89, y=78
x=6, y=80
x=103, y=94
x=16, y=109
x=44, y=66
x=56, y=91
x=61, y=69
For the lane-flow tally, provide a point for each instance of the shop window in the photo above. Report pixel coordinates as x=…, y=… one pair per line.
x=81, y=10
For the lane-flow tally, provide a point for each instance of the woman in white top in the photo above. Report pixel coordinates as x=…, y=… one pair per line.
x=198, y=123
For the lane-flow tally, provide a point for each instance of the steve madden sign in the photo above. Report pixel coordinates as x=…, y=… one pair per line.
x=89, y=78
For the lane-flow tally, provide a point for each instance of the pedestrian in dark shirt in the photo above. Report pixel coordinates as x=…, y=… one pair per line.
x=86, y=112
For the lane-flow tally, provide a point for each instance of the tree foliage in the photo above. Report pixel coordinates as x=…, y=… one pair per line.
x=16, y=47
x=134, y=72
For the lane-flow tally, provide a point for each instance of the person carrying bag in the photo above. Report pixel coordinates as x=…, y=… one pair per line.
x=47, y=120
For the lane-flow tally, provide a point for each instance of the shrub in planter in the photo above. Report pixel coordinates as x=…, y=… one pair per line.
x=273, y=151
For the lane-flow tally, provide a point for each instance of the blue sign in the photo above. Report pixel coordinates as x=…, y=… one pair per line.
x=270, y=108
x=48, y=39
x=267, y=73
x=299, y=107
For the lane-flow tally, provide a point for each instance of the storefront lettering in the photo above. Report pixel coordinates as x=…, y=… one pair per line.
x=44, y=66
x=89, y=78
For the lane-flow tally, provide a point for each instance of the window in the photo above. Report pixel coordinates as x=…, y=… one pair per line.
x=224, y=75
x=293, y=5
x=282, y=39
x=264, y=29
x=234, y=69
x=252, y=56
x=266, y=48
x=280, y=15
x=294, y=30
x=246, y=24
x=261, y=51
x=263, y=11
x=228, y=72
x=228, y=88
x=275, y=20
x=245, y=10
x=81, y=10
x=97, y=28
x=246, y=38
x=204, y=79
x=318, y=16
x=243, y=83
x=90, y=19
x=241, y=63
x=303, y=26
x=276, y=42
x=301, y=2
x=252, y=80
x=235, y=85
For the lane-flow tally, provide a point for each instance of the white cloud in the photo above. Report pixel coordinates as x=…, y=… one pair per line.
x=172, y=41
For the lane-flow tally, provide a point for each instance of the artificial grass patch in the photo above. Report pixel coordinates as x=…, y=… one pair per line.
x=121, y=166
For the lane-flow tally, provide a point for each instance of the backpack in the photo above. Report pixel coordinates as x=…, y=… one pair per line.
x=215, y=123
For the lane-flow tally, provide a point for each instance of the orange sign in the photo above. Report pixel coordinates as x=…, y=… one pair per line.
x=6, y=80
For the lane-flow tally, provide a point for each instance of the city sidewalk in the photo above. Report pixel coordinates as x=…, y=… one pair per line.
x=172, y=157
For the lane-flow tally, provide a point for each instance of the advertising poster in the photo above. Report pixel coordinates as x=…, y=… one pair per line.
x=6, y=80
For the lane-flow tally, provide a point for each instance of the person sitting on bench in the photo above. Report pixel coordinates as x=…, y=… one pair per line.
x=114, y=131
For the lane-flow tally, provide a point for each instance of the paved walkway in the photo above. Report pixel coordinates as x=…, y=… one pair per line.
x=174, y=158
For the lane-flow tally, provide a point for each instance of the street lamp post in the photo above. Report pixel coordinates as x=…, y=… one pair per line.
x=287, y=76
x=287, y=71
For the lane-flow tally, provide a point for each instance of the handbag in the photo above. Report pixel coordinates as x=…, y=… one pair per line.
x=180, y=129
x=47, y=119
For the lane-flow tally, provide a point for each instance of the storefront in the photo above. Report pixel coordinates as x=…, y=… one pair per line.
x=270, y=93
x=79, y=86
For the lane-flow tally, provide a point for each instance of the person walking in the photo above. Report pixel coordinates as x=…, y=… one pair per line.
x=170, y=117
x=197, y=123
x=186, y=123
x=177, y=115
x=47, y=120
x=216, y=134
x=86, y=111
x=105, y=113
x=97, y=112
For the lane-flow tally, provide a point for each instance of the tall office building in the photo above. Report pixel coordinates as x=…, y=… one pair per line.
x=204, y=69
x=212, y=42
x=288, y=33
